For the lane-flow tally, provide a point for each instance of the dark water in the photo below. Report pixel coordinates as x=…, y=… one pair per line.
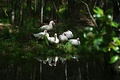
x=70, y=70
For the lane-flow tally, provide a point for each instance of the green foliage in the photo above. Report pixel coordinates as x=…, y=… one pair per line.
x=99, y=12
x=97, y=42
x=101, y=39
x=62, y=8
x=105, y=29
x=114, y=45
x=68, y=48
x=105, y=19
x=5, y=33
x=114, y=59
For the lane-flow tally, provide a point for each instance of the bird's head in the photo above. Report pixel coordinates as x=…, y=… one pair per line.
x=45, y=31
x=64, y=34
x=52, y=22
x=55, y=35
x=78, y=39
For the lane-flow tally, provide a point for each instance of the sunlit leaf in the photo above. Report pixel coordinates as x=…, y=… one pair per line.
x=98, y=15
x=32, y=8
x=84, y=35
x=109, y=17
x=114, y=59
x=116, y=41
x=62, y=8
x=89, y=28
x=113, y=24
x=98, y=10
x=116, y=49
x=94, y=15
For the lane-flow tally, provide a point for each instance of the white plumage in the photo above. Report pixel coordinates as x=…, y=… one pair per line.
x=48, y=27
x=75, y=42
x=53, y=40
x=68, y=34
x=63, y=38
x=41, y=34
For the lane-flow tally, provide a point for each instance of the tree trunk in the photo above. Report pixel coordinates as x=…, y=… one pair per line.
x=21, y=14
x=13, y=13
x=29, y=11
x=116, y=10
x=42, y=6
x=21, y=21
x=73, y=11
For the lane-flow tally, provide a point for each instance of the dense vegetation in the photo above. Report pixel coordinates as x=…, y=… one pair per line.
x=93, y=25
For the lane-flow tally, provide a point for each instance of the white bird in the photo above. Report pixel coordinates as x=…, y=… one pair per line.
x=41, y=34
x=63, y=38
x=53, y=40
x=48, y=27
x=74, y=42
x=69, y=34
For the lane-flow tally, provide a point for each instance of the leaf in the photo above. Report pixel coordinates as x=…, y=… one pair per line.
x=90, y=34
x=85, y=35
x=97, y=42
x=68, y=47
x=46, y=40
x=116, y=41
x=116, y=49
x=32, y=8
x=114, y=59
x=109, y=17
x=113, y=24
x=89, y=29
x=115, y=45
x=98, y=10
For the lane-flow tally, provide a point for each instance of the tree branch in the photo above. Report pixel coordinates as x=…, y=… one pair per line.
x=93, y=20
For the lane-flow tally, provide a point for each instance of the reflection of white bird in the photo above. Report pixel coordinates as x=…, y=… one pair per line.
x=75, y=42
x=49, y=60
x=69, y=34
x=55, y=60
x=48, y=27
x=54, y=39
x=41, y=34
x=63, y=38
x=52, y=61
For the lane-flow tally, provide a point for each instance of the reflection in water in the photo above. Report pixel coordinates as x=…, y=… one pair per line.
x=116, y=77
x=69, y=70
x=116, y=70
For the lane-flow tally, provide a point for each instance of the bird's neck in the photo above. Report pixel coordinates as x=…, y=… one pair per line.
x=55, y=39
x=50, y=24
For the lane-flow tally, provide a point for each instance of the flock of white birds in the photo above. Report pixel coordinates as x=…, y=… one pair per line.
x=64, y=37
